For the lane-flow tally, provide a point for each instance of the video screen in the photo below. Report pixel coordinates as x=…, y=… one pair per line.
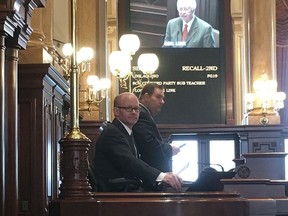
x=162, y=23
x=192, y=71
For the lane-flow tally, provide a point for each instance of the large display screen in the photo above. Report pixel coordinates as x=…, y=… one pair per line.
x=193, y=76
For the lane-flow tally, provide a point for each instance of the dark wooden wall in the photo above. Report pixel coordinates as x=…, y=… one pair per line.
x=43, y=94
x=91, y=130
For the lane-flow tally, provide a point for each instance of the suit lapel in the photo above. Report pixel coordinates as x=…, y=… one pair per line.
x=129, y=139
x=155, y=129
x=193, y=30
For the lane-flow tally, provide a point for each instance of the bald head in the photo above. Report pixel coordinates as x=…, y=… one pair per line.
x=126, y=108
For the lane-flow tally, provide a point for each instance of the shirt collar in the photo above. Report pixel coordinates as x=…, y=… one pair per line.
x=189, y=24
x=129, y=131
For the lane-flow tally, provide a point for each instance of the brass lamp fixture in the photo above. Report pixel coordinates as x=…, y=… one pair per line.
x=97, y=91
x=120, y=64
x=84, y=57
x=97, y=88
x=265, y=101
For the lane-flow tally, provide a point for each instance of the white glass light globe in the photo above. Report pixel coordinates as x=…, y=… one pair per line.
x=105, y=83
x=92, y=79
x=129, y=43
x=79, y=57
x=87, y=53
x=148, y=63
x=67, y=49
x=119, y=62
x=280, y=96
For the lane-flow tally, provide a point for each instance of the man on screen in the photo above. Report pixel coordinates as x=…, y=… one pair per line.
x=188, y=30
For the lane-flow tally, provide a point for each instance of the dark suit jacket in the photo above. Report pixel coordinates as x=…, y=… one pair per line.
x=152, y=148
x=115, y=158
x=200, y=34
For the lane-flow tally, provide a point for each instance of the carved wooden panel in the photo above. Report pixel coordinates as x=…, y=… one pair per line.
x=42, y=92
x=264, y=146
x=111, y=9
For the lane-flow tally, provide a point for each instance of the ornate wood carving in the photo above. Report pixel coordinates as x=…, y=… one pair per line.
x=74, y=169
x=42, y=95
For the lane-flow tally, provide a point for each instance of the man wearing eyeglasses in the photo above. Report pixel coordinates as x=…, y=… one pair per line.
x=188, y=30
x=152, y=148
x=116, y=155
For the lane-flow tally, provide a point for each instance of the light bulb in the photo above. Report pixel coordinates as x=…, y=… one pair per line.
x=92, y=79
x=280, y=96
x=119, y=62
x=129, y=43
x=105, y=83
x=67, y=49
x=87, y=53
x=148, y=63
x=80, y=58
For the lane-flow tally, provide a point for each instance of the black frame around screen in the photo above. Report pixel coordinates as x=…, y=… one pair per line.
x=193, y=103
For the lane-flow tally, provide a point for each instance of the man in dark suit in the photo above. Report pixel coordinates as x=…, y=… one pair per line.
x=152, y=148
x=116, y=155
x=188, y=30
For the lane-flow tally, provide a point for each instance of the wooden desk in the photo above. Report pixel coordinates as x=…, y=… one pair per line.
x=154, y=204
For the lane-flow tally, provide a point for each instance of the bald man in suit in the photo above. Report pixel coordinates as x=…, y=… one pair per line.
x=199, y=34
x=116, y=155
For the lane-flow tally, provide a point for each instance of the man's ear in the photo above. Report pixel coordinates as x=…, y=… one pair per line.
x=116, y=111
x=146, y=96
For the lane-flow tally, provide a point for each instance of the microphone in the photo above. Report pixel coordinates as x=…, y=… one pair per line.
x=178, y=32
x=179, y=44
x=214, y=165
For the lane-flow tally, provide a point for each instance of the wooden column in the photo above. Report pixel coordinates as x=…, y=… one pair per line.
x=15, y=31
x=254, y=49
x=261, y=33
x=240, y=58
x=11, y=111
x=3, y=119
x=262, y=38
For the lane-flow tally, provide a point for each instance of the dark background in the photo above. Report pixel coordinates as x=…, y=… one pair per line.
x=190, y=104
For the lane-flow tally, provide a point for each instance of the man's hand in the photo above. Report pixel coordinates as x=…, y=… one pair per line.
x=175, y=150
x=173, y=180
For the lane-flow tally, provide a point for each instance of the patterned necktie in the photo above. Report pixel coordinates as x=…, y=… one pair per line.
x=185, y=32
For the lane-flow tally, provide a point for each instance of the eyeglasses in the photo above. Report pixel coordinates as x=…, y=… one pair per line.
x=130, y=109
